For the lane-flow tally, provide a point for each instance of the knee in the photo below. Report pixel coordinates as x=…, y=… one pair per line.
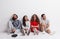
x=48, y=31
x=41, y=28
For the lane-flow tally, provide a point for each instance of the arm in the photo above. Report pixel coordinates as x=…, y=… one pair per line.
x=11, y=26
x=23, y=27
x=48, y=24
x=28, y=24
x=20, y=25
x=35, y=26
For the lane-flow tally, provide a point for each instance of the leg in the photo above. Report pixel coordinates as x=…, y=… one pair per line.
x=28, y=32
x=35, y=31
x=48, y=31
x=22, y=32
x=42, y=28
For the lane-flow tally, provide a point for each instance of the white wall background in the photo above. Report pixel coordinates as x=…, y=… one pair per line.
x=28, y=7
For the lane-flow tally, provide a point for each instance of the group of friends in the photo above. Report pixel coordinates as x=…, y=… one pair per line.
x=34, y=25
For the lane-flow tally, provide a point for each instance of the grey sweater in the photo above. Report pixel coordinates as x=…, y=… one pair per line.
x=15, y=24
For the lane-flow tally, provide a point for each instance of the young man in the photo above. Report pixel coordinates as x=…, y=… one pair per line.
x=44, y=24
x=14, y=24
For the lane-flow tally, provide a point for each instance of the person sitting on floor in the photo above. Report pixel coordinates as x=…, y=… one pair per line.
x=14, y=24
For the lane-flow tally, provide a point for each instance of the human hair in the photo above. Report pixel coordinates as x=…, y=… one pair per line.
x=13, y=16
x=37, y=19
x=42, y=15
x=24, y=21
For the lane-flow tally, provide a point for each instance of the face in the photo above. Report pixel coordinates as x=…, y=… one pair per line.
x=34, y=17
x=26, y=18
x=14, y=16
x=44, y=17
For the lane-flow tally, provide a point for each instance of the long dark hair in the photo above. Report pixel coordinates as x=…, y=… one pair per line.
x=23, y=20
x=37, y=19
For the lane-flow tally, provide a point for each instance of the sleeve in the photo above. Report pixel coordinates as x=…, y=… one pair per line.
x=20, y=25
x=23, y=27
x=47, y=21
x=28, y=24
x=10, y=25
x=40, y=21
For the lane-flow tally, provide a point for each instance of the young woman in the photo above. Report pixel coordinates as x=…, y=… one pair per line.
x=35, y=24
x=26, y=25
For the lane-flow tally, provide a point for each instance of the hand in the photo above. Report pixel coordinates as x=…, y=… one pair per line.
x=13, y=30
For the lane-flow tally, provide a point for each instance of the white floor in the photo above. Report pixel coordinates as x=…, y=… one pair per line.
x=31, y=36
